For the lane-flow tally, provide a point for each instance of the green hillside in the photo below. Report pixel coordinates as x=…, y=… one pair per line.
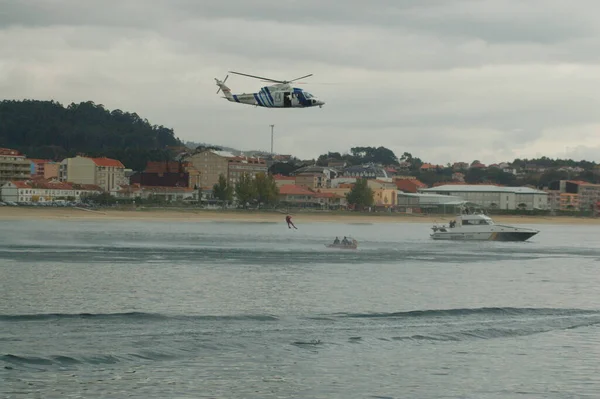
x=48, y=130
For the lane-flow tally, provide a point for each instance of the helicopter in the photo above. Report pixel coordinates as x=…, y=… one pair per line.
x=279, y=95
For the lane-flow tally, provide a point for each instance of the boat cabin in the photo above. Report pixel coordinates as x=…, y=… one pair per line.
x=474, y=220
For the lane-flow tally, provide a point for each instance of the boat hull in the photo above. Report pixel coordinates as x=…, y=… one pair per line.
x=340, y=246
x=485, y=236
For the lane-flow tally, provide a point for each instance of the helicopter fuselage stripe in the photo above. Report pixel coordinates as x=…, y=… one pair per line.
x=268, y=94
x=269, y=99
x=258, y=100
x=263, y=98
x=236, y=98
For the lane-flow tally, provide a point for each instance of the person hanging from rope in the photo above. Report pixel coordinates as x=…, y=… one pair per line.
x=289, y=222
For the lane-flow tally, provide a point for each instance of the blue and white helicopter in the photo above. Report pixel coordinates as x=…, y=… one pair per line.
x=280, y=95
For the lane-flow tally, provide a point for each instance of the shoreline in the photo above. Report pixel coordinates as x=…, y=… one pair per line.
x=200, y=215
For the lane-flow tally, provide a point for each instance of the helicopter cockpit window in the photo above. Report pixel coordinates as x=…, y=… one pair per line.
x=307, y=95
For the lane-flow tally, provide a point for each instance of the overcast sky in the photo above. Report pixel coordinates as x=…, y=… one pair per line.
x=447, y=80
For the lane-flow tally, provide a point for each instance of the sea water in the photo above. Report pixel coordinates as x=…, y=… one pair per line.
x=143, y=309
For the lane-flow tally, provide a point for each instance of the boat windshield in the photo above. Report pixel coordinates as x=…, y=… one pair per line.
x=474, y=222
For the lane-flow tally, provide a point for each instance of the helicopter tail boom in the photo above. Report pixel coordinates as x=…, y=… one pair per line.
x=222, y=87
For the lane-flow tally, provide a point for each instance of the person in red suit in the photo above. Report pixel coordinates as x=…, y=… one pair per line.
x=289, y=222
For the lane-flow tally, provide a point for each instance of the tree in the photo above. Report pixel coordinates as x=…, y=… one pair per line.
x=245, y=189
x=415, y=163
x=47, y=129
x=266, y=188
x=222, y=190
x=282, y=168
x=406, y=157
x=379, y=155
x=475, y=176
x=501, y=177
x=323, y=159
x=361, y=195
x=550, y=176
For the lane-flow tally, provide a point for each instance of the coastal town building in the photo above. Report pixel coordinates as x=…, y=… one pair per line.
x=13, y=166
x=44, y=168
x=301, y=196
x=367, y=171
x=335, y=183
x=238, y=166
x=494, y=197
x=103, y=172
x=573, y=195
x=426, y=202
x=409, y=185
x=212, y=163
x=315, y=177
x=281, y=180
x=167, y=174
x=296, y=195
x=46, y=191
x=166, y=193
x=330, y=200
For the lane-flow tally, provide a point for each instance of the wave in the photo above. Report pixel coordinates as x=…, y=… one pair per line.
x=489, y=311
x=428, y=313
x=132, y=316
x=495, y=332
x=65, y=361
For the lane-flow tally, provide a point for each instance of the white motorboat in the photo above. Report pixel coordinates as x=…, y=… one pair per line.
x=477, y=226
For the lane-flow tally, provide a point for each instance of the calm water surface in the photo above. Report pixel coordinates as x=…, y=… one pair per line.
x=255, y=310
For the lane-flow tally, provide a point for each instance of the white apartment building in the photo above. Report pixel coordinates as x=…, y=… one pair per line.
x=13, y=166
x=43, y=191
x=495, y=197
x=104, y=172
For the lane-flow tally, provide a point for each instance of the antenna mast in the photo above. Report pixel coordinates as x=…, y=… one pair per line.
x=272, y=126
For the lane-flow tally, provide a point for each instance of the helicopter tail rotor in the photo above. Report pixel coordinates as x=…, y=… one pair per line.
x=219, y=83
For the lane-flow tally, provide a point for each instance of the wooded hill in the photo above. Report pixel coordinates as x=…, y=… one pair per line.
x=48, y=130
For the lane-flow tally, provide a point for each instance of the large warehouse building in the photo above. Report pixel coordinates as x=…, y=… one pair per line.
x=494, y=197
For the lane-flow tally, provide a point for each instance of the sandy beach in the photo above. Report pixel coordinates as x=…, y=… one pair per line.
x=198, y=215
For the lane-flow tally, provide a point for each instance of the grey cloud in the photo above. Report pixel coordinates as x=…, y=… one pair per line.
x=446, y=80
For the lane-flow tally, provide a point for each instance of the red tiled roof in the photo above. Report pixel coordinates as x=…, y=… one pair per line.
x=107, y=162
x=292, y=189
x=416, y=182
x=54, y=185
x=579, y=182
x=36, y=161
x=87, y=187
x=21, y=184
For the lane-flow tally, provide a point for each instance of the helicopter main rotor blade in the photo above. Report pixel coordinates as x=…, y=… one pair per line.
x=257, y=77
x=301, y=77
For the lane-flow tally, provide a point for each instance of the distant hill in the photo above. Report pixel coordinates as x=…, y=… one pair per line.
x=48, y=130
